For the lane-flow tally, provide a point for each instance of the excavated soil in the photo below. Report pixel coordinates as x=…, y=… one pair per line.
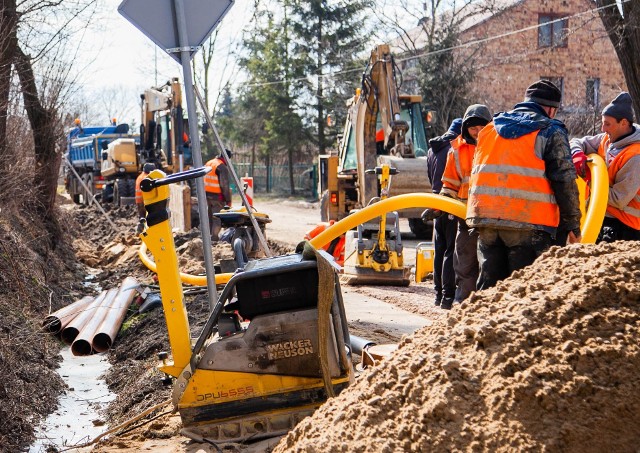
x=546, y=361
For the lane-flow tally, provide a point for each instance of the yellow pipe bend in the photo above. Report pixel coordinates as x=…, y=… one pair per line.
x=597, y=201
x=396, y=203
x=195, y=280
x=590, y=229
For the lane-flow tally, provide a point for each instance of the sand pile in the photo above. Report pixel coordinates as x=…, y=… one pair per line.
x=547, y=361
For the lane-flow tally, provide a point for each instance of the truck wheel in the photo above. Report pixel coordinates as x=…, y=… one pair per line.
x=107, y=194
x=131, y=187
x=420, y=230
x=119, y=190
x=324, y=206
x=76, y=198
x=87, y=178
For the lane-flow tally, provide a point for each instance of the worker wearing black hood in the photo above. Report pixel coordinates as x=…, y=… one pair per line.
x=455, y=184
x=444, y=226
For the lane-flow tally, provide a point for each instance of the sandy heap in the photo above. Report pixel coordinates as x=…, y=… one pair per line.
x=546, y=361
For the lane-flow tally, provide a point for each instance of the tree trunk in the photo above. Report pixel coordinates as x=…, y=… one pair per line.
x=8, y=43
x=44, y=124
x=320, y=90
x=292, y=183
x=625, y=37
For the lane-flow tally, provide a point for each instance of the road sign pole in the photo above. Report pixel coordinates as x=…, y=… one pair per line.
x=185, y=60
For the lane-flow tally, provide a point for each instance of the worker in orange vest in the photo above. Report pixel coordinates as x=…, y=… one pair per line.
x=619, y=146
x=146, y=169
x=522, y=185
x=455, y=184
x=218, y=191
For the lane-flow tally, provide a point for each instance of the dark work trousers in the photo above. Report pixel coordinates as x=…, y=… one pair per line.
x=444, y=239
x=214, y=205
x=614, y=230
x=500, y=252
x=465, y=261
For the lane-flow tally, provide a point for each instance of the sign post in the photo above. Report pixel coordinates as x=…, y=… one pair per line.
x=165, y=23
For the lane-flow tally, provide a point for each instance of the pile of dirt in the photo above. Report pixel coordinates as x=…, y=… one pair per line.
x=546, y=360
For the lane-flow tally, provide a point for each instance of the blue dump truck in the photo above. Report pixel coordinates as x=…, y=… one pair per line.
x=87, y=149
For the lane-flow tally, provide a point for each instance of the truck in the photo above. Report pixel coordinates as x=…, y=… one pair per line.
x=382, y=127
x=108, y=159
x=84, y=156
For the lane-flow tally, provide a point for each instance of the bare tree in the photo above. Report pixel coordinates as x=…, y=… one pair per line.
x=34, y=38
x=621, y=21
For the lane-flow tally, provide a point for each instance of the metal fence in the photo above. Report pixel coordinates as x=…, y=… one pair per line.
x=275, y=178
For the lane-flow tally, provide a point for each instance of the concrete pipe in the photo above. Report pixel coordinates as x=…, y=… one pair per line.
x=82, y=343
x=56, y=321
x=106, y=333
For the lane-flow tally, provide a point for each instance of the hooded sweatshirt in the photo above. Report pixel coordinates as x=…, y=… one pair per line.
x=552, y=146
x=437, y=155
x=627, y=181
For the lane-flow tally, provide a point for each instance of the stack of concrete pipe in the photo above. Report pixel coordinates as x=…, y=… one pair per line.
x=91, y=324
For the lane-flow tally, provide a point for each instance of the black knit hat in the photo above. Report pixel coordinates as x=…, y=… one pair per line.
x=620, y=107
x=544, y=93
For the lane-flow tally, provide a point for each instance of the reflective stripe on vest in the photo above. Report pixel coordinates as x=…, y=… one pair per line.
x=630, y=214
x=458, y=167
x=508, y=181
x=211, y=181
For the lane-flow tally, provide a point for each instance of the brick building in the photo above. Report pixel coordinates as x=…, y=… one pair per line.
x=560, y=40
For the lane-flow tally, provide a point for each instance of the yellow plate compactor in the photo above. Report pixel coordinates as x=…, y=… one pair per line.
x=274, y=347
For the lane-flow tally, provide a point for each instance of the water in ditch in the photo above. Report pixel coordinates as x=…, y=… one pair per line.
x=79, y=417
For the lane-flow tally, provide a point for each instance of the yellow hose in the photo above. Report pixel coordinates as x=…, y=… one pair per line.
x=590, y=228
x=195, y=280
x=396, y=203
x=592, y=221
x=597, y=201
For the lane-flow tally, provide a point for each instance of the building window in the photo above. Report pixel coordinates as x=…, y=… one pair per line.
x=557, y=81
x=552, y=31
x=593, y=93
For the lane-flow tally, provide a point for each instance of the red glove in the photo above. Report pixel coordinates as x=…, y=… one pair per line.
x=579, y=159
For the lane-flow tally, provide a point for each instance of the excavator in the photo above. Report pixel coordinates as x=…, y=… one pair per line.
x=162, y=141
x=383, y=130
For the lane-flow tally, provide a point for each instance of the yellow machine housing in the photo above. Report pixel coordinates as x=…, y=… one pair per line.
x=121, y=158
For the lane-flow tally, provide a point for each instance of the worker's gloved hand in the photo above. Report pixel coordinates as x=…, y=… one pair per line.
x=430, y=214
x=579, y=159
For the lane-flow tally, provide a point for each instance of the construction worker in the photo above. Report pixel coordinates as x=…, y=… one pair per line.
x=522, y=185
x=619, y=146
x=146, y=169
x=444, y=226
x=455, y=184
x=218, y=190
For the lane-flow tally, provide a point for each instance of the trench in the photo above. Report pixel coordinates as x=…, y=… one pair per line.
x=78, y=418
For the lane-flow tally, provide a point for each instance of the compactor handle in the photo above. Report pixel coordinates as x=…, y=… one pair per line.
x=148, y=184
x=378, y=171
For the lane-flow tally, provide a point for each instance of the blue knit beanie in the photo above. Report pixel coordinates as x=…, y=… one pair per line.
x=620, y=107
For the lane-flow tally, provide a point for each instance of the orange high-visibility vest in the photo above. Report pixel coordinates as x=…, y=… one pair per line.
x=457, y=170
x=139, y=179
x=211, y=181
x=508, y=181
x=630, y=214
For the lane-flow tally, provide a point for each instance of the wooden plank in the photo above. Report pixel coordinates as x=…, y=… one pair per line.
x=180, y=207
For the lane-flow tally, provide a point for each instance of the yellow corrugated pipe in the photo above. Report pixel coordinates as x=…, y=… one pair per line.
x=592, y=221
x=196, y=280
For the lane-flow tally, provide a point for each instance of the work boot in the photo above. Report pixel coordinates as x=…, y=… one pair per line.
x=438, y=300
x=447, y=303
